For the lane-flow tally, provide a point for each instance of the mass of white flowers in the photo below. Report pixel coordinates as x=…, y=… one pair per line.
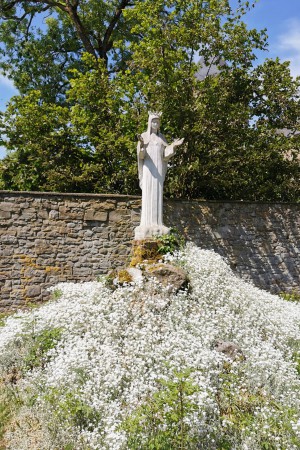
x=104, y=354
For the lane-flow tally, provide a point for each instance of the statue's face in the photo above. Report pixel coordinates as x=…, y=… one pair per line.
x=155, y=125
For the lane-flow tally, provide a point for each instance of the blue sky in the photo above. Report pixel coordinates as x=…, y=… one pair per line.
x=280, y=17
x=282, y=20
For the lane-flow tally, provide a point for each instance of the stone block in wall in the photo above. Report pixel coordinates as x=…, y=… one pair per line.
x=5, y=304
x=101, y=234
x=119, y=216
x=9, y=239
x=135, y=213
x=9, y=206
x=28, y=214
x=94, y=215
x=38, y=279
x=122, y=205
x=48, y=204
x=120, y=250
x=107, y=205
x=73, y=225
x=43, y=247
x=5, y=214
x=53, y=215
x=42, y=214
x=15, y=274
x=69, y=213
x=82, y=271
x=33, y=291
x=10, y=231
x=102, y=251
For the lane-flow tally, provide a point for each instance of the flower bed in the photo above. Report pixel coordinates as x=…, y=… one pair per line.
x=138, y=367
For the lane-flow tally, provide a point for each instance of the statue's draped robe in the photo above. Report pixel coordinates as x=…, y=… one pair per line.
x=153, y=159
x=154, y=171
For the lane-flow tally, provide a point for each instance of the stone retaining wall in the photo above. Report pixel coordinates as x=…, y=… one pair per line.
x=48, y=237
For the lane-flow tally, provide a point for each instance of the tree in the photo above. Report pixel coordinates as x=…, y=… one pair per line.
x=39, y=56
x=235, y=149
x=87, y=145
x=112, y=61
x=48, y=156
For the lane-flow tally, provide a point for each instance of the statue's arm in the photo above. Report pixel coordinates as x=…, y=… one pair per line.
x=170, y=150
x=141, y=149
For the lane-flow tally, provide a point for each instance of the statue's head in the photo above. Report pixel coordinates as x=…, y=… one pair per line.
x=154, y=122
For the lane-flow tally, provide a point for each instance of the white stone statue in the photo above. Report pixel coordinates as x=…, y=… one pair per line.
x=153, y=154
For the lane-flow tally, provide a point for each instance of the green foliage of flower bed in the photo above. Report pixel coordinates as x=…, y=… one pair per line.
x=160, y=423
x=70, y=409
x=41, y=343
x=290, y=297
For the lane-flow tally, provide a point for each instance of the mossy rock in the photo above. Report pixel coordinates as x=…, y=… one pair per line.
x=145, y=251
x=168, y=275
x=118, y=277
x=124, y=276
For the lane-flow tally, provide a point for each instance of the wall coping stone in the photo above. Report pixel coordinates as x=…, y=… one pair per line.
x=68, y=194
x=138, y=197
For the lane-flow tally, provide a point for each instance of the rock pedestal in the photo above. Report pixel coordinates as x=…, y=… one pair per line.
x=168, y=275
x=146, y=263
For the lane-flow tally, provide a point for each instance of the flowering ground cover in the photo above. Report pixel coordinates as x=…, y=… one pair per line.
x=139, y=368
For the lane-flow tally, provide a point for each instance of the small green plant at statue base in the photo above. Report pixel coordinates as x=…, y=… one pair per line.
x=169, y=243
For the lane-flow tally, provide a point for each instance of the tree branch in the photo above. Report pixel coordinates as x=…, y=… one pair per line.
x=29, y=25
x=71, y=9
x=26, y=13
x=107, y=44
x=11, y=5
x=51, y=3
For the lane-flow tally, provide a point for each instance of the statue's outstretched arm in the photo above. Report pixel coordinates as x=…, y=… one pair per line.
x=170, y=150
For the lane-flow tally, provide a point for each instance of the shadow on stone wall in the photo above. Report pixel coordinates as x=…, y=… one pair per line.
x=260, y=241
